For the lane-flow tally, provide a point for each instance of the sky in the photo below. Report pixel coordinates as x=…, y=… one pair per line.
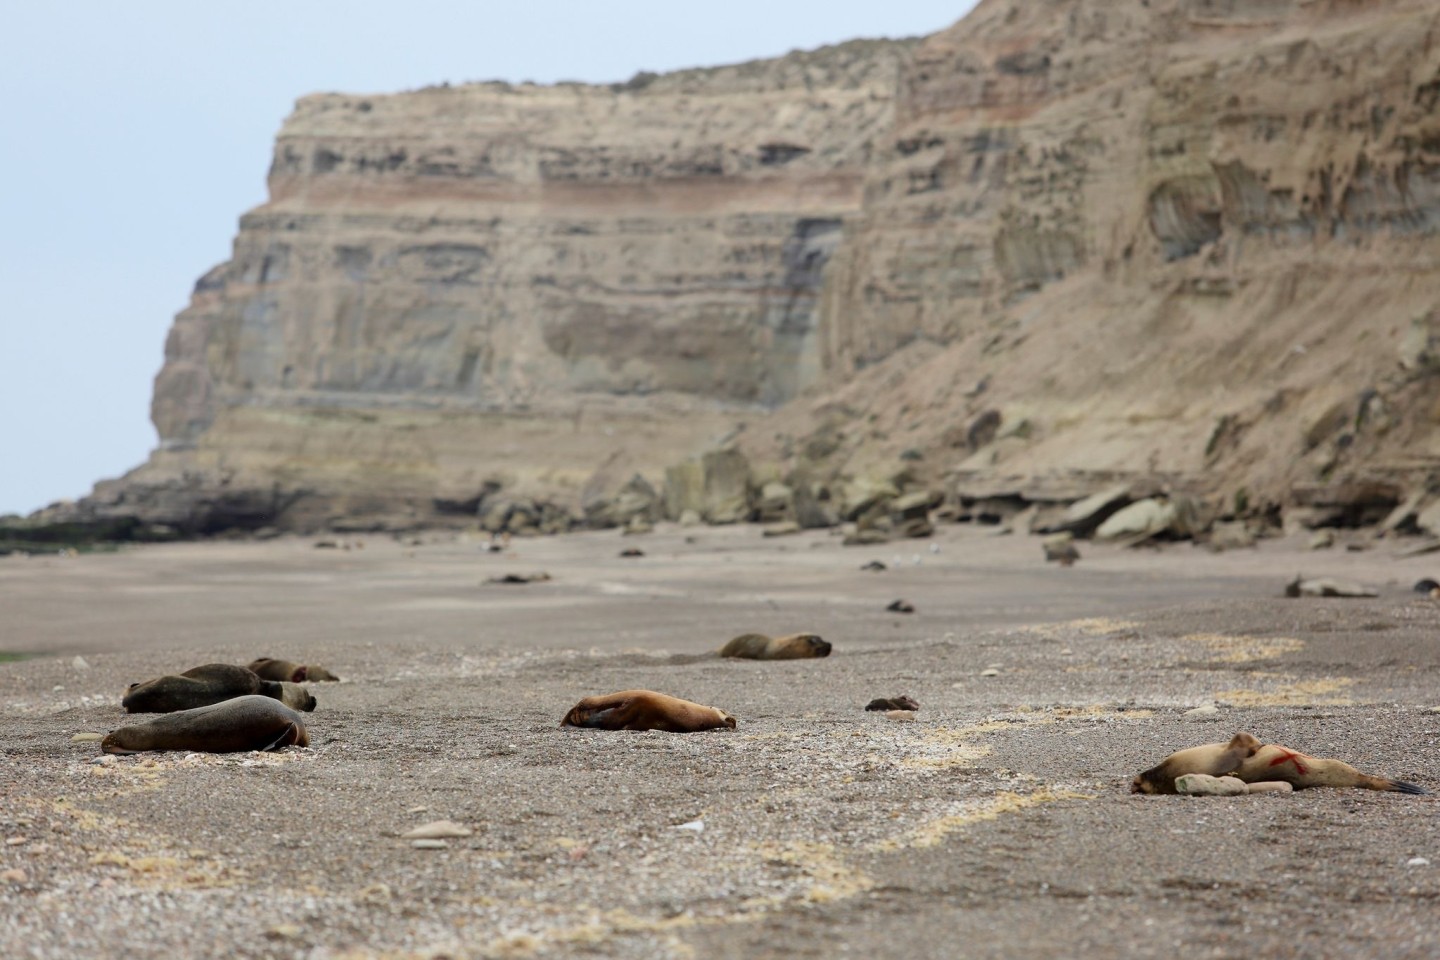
x=133, y=136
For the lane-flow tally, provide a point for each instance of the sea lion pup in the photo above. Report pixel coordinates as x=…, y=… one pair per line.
x=645, y=710
x=268, y=668
x=252, y=722
x=892, y=703
x=1245, y=757
x=210, y=683
x=757, y=646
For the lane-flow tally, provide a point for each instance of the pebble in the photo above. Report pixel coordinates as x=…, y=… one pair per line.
x=1204, y=785
x=79, y=663
x=437, y=829
x=904, y=716
x=1270, y=786
x=430, y=844
x=1417, y=862
x=14, y=876
x=57, y=688
x=87, y=737
x=421, y=809
x=15, y=841
x=285, y=931
x=696, y=825
x=1204, y=710
x=104, y=760
x=991, y=672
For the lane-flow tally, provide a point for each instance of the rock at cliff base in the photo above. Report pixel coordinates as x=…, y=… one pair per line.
x=727, y=486
x=1138, y=521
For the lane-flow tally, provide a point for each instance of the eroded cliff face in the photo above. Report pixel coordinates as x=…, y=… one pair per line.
x=1063, y=239
x=1195, y=238
x=493, y=281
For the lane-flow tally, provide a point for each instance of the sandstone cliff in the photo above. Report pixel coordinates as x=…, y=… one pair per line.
x=1061, y=242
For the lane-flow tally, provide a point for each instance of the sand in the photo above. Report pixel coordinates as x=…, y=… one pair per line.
x=997, y=824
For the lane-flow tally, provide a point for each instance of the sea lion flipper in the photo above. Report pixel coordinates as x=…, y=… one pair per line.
x=289, y=735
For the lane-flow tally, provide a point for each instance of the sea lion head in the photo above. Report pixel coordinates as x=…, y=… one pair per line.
x=726, y=719
x=296, y=697
x=813, y=644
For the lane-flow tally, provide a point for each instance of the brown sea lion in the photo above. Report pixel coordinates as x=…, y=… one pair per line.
x=1246, y=758
x=210, y=683
x=645, y=710
x=252, y=722
x=268, y=668
x=757, y=646
x=892, y=703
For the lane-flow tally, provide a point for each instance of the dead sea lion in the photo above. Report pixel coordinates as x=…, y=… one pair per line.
x=757, y=646
x=892, y=703
x=268, y=668
x=1246, y=758
x=252, y=722
x=645, y=710
x=206, y=684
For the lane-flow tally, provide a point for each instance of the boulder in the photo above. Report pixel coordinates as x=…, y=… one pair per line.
x=1204, y=785
x=810, y=512
x=776, y=503
x=636, y=499
x=684, y=489
x=727, y=486
x=861, y=495
x=1084, y=517
x=1138, y=521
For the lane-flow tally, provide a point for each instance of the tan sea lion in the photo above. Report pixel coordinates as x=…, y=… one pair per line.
x=757, y=646
x=645, y=710
x=252, y=722
x=1246, y=758
x=210, y=683
x=268, y=668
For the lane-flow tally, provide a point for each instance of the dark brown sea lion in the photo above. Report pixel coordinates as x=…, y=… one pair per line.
x=1245, y=757
x=757, y=646
x=645, y=710
x=892, y=703
x=245, y=723
x=901, y=606
x=210, y=683
x=268, y=668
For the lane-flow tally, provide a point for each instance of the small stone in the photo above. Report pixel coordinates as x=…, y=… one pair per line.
x=1417, y=862
x=903, y=716
x=87, y=737
x=57, y=688
x=1204, y=785
x=1270, y=786
x=14, y=876
x=1322, y=540
x=1204, y=710
x=436, y=830
x=697, y=826
x=285, y=931
x=15, y=841
x=104, y=760
x=79, y=663
x=430, y=844
x=420, y=809
x=1066, y=652
x=991, y=672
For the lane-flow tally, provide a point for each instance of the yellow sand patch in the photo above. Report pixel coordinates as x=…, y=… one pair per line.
x=934, y=832
x=1318, y=692
x=832, y=878
x=1089, y=626
x=1243, y=649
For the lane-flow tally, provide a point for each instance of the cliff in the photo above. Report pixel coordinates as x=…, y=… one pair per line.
x=1061, y=242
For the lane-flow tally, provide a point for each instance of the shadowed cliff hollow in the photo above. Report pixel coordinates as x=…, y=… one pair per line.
x=1063, y=240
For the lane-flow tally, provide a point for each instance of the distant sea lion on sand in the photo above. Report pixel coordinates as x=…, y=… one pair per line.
x=210, y=683
x=1246, y=758
x=892, y=703
x=253, y=722
x=757, y=646
x=270, y=669
x=645, y=710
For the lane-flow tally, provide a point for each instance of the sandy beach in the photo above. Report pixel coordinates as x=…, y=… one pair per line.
x=998, y=824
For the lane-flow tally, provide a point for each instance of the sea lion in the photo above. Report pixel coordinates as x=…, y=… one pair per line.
x=757, y=646
x=1428, y=587
x=1326, y=587
x=268, y=668
x=901, y=606
x=645, y=710
x=892, y=703
x=210, y=683
x=252, y=722
x=1246, y=758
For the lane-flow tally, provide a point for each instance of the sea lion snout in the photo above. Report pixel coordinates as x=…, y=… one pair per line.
x=820, y=647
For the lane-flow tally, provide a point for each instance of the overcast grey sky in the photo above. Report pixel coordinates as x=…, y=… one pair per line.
x=136, y=133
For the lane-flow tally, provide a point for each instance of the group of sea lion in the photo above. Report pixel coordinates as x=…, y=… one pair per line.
x=220, y=708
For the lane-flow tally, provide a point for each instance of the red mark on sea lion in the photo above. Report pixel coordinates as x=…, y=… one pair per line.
x=1292, y=756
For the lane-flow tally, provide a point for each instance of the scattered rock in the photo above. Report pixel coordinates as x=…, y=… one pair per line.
x=14, y=876
x=696, y=826
x=1270, y=786
x=991, y=672
x=781, y=529
x=1060, y=548
x=1417, y=862
x=864, y=538
x=875, y=565
x=1205, y=710
x=903, y=716
x=901, y=606
x=285, y=931
x=436, y=830
x=79, y=663
x=1204, y=785
x=632, y=552
x=1232, y=535
x=1326, y=587
x=1322, y=540
x=690, y=518
x=1083, y=517
x=16, y=841
x=637, y=526
x=1138, y=521
x=430, y=844
x=87, y=737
